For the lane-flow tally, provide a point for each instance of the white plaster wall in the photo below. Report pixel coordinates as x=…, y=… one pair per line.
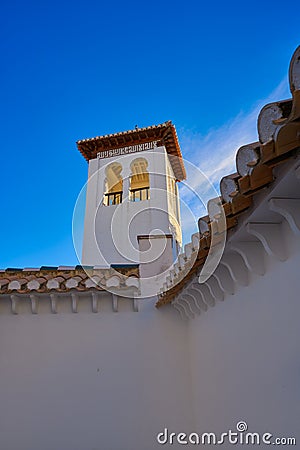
x=114, y=229
x=173, y=203
x=245, y=358
x=54, y=398
x=150, y=264
x=238, y=361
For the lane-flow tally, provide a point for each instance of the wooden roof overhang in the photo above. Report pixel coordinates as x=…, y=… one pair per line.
x=165, y=134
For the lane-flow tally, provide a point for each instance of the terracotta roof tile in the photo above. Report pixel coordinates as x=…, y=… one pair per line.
x=49, y=279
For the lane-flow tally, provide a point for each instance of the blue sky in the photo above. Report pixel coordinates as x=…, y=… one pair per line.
x=75, y=70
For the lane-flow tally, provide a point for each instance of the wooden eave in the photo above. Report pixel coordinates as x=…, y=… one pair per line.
x=164, y=133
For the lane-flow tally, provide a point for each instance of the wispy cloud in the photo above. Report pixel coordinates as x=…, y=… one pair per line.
x=214, y=154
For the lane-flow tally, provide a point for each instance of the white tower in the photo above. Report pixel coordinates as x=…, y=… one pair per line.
x=132, y=206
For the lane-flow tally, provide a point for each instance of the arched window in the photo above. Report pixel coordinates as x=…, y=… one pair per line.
x=139, y=180
x=113, y=185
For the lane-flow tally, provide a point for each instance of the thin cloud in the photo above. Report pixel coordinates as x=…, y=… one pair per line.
x=214, y=154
